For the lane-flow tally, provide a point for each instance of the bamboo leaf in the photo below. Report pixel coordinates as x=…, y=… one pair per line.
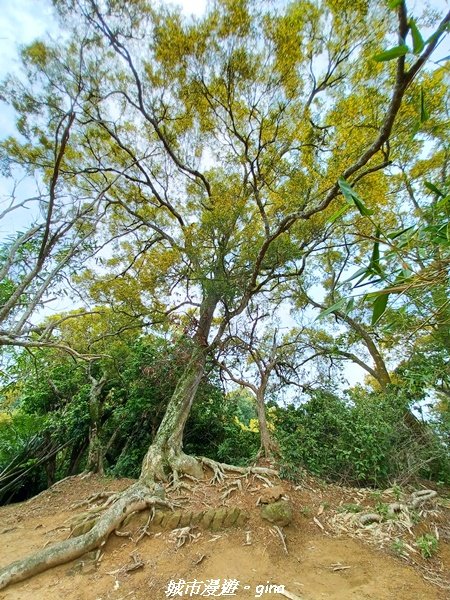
x=379, y=306
x=396, y=234
x=352, y=197
x=392, y=53
x=337, y=306
x=364, y=271
x=418, y=43
x=375, y=259
x=434, y=189
x=335, y=216
x=366, y=212
x=346, y=190
x=393, y=4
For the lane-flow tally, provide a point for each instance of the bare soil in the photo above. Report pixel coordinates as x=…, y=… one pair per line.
x=330, y=554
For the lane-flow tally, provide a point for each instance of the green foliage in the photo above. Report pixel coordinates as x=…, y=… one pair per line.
x=428, y=545
x=361, y=441
x=353, y=198
x=383, y=509
x=352, y=508
x=52, y=391
x=21, y=440
x=398, y=547
x=392, y=53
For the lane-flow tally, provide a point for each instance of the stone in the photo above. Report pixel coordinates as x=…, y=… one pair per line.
x=271, y=494
x=171, y=521
x=217, y=522
x=196, y=518
x=232, y=516
x=207, y=519
x=279, y=513
x=185, y=520
x=242, y=519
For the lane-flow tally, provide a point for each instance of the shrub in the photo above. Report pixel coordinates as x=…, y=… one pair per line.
x=360, y=440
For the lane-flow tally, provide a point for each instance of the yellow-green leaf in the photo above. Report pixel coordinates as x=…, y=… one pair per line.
x=418, y=43
x=392, y=53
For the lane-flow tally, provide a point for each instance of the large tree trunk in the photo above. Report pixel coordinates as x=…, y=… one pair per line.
x=381, y=374
x=165, y=456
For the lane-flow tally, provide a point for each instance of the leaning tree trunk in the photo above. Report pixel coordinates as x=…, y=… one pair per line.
x=165, y=456
x=381, y=374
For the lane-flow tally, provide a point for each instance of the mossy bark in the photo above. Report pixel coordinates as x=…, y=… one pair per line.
x=269, y=447
x=95, y=449
x=165, y=456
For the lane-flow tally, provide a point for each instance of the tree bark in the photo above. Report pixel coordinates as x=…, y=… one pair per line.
x=75, y=456
x=165, y=456
x=268, y=445
x=381, y=372
x=95, y=450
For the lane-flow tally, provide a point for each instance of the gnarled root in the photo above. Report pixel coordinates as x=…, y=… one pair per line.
x=219, y=470
x=170, y=463
x=145, y=493
x=107, y=497
x=136, y=498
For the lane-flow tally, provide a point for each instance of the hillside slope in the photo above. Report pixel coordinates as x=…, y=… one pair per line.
x=330, y=554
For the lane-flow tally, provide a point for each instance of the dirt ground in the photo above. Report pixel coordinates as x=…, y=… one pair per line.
x=330, y=554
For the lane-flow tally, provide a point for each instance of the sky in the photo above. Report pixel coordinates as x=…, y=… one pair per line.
x=21, y=22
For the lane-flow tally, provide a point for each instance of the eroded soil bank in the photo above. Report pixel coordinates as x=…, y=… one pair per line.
x=330, y=555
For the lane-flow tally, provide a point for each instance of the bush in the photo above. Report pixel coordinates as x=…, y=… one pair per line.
x=362, y=440
x=21, y=443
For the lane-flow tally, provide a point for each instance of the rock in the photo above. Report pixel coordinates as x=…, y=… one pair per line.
x=271, y=494
x=171, y=520
x=159, y=517
x=217, y=522
x=207, y=518
x=279, y=513
x=197, y=518
x=232, y=517
x=242, y=519
x=186, y=518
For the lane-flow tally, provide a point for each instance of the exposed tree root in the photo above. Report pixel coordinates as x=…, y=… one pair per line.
x=219, y=470
x=109, y=497
x=136, y=498
x=168, y=463
x=95, y=527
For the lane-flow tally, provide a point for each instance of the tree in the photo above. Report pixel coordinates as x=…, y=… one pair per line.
x=59, y=224
x=211, y=142
x=265, y=361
